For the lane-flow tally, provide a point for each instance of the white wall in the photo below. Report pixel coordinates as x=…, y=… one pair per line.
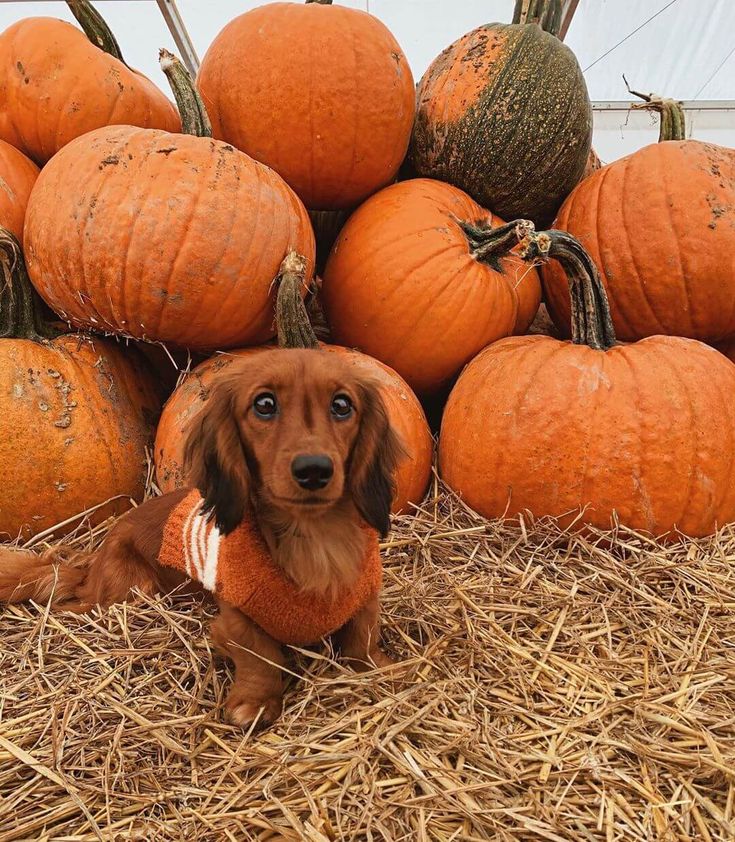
x=675, y=54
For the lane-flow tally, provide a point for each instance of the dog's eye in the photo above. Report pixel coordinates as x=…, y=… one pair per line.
x=342, y=406
x=265, y=405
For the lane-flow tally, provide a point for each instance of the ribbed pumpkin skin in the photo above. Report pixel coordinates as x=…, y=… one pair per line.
x=76, y=421
x=322, y=94
x=660, y=225
x=404, y=410
x=402, y=285
x=18, y=174
x=503, y=113
x=56, y=85
x=163, y=236
x=643, y=430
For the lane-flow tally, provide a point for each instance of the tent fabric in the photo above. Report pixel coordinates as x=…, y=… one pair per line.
x=680, y=48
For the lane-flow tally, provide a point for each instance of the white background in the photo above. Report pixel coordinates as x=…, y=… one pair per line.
x=686, y=51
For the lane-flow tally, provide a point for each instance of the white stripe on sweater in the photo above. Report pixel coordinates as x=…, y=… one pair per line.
x=201, y=548
x=209, y=579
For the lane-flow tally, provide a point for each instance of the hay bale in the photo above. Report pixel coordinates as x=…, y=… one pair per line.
x=552, y=687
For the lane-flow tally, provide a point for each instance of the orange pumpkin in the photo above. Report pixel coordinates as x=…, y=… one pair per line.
x=589, y=431
x=77, y=416
x=166, y=237
x=321, y=93
x=18, y=174
x=660, y=225
x=57, y=84
x=413, y=280
x=404, y=410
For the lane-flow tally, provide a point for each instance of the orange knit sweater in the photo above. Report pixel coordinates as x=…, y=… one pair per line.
x=239, y=569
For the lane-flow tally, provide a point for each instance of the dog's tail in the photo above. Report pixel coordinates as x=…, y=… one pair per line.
x=25, y=575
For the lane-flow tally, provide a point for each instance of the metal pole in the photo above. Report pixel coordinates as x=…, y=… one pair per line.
x=568, y=10
x=687, y=104
x=180, y=34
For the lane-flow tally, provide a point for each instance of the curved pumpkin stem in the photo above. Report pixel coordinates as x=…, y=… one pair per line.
x=591, y=320
x=194, y=117
x=293, y=327
x=320, y=2
x=673, y=120
x=20, y=308
x=546, y=13
x=489, y=245
x=95, y=27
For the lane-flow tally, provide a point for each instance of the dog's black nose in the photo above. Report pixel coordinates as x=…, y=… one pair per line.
x=313, y=471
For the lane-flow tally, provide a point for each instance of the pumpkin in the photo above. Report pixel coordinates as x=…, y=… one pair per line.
x=18, y=174
x=660, y=225
x=77, y=416
x=173, y=238
x=413, y=280
x=322, y=94
x=404, y=410
x=591, y=431
x=503, y=113
x=57, y=83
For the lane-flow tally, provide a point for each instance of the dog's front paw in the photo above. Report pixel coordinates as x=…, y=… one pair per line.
x=242, y=710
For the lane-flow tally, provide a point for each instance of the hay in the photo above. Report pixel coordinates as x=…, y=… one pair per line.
x=552, y=688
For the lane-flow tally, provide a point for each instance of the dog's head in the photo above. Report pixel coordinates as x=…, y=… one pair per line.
x=297, y=431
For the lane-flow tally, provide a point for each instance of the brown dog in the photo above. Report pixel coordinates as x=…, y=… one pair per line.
x=292, y=441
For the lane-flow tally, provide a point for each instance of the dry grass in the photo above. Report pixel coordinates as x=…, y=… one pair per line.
x=552, y=688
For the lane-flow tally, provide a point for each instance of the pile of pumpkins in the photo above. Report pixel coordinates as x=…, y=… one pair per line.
x=424, y=224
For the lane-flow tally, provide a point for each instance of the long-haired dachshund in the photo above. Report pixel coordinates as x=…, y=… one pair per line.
x=292, y=462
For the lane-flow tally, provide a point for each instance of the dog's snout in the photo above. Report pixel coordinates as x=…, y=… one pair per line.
x=312, y=471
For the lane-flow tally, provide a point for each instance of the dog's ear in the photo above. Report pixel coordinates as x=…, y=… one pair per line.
x=375, y=457
x=215, y=460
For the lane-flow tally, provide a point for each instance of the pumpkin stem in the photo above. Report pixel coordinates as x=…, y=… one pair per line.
x=546, y=13
x=321, y=2
x=293, y=327
x=194, y=117
x=673, y=120
x=488, y=245
x=21, y=314
x=591, y=320
x=95, y=27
